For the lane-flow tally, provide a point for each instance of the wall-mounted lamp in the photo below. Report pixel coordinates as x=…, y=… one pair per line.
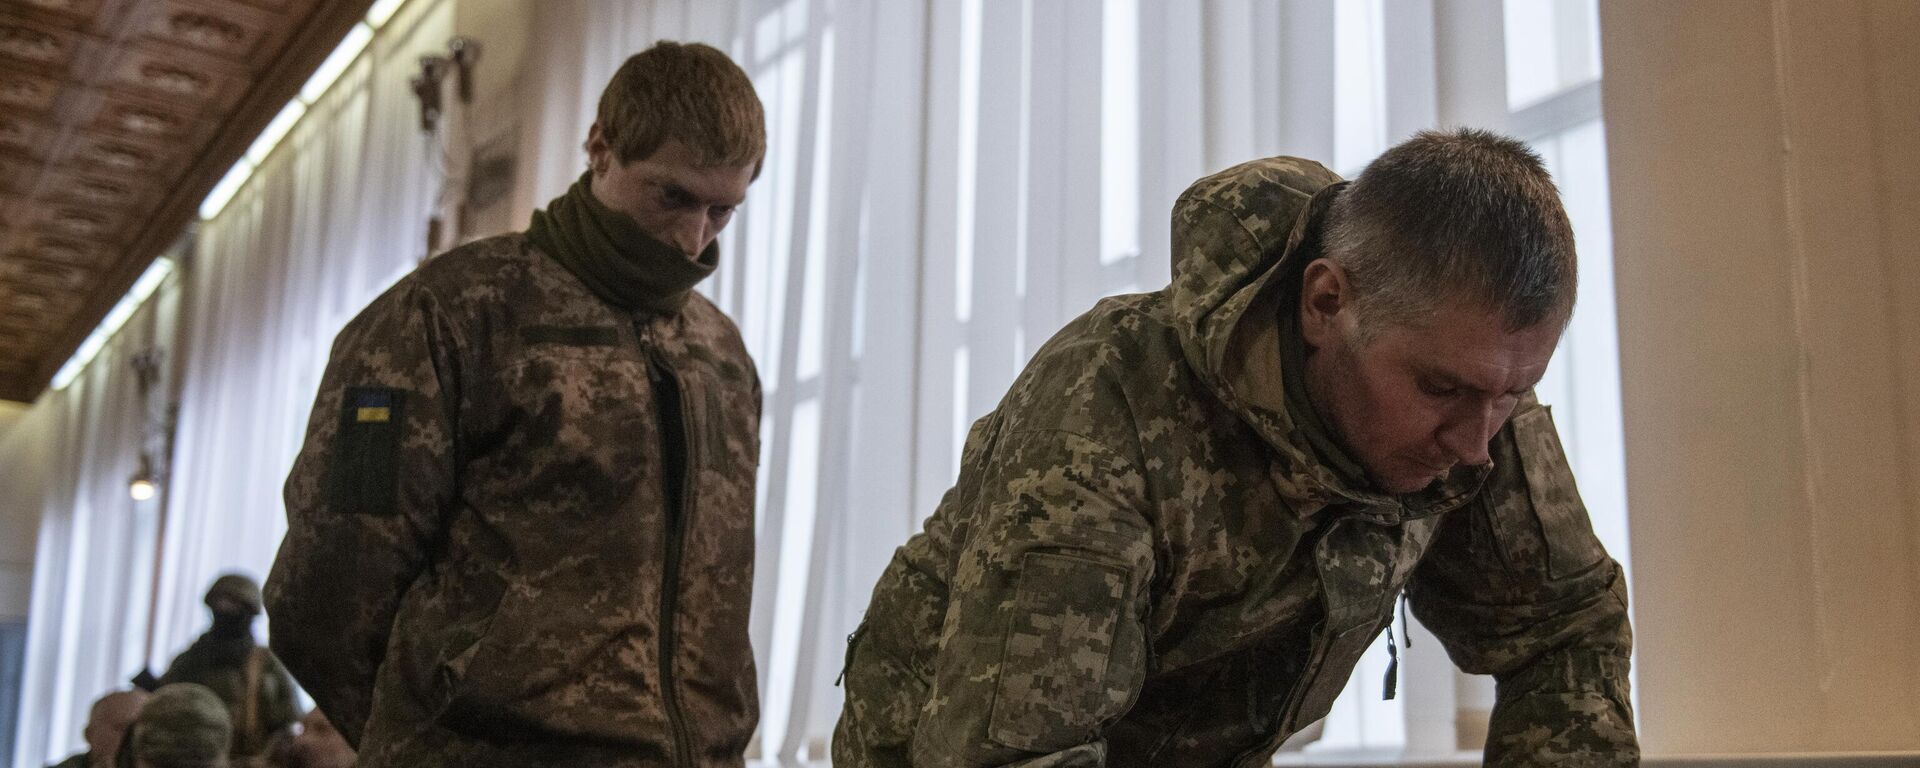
x=146, y=479
x=143, y=485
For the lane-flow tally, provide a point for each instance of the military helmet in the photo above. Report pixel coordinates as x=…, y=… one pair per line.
x=238, y=589
x=183, y=725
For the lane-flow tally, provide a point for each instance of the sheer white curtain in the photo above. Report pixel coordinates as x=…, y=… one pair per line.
x=336, y=214
x=93, y=561
x=333, y=216
x=948, y=182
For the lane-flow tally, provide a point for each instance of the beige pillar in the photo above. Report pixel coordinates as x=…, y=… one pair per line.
x=1765, y=163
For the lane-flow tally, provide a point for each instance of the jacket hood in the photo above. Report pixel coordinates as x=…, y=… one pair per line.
x=1241, y=237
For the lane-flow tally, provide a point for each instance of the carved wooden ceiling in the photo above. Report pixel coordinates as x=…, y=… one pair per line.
x=116, y=119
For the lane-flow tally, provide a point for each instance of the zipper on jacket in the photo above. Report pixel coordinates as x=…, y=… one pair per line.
x=674, y=434
x=1323, y=636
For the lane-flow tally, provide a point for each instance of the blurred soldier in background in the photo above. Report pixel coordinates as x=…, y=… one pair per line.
x=252, y=684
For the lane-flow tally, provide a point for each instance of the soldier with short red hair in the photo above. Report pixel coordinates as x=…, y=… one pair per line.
x=521, y=529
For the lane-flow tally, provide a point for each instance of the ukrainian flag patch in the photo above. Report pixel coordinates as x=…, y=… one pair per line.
x=364, y=471
x=372, y=403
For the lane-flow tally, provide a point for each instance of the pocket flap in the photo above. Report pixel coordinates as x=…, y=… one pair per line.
x=1055, y=685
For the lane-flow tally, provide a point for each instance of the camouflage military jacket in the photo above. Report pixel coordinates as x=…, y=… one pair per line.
x=1144, y=563
x=521, y=529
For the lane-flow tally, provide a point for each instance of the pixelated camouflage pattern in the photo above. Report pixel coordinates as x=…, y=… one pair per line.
x=528, y=596
x=1144, y=563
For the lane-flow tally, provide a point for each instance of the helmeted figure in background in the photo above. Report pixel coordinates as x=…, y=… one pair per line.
x=1196, y=508
x=253, y=685
x=521, y=529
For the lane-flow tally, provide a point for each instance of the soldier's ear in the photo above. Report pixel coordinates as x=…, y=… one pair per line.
x=1324, y=294
x=599, y=152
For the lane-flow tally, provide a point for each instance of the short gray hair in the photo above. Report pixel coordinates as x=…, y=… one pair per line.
x=1448, y=215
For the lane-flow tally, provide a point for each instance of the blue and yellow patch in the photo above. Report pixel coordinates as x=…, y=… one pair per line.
x=364, y=474
x=371, y=405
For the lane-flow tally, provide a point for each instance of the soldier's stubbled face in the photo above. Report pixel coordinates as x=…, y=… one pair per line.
x=674, y=199
x=1418, y=398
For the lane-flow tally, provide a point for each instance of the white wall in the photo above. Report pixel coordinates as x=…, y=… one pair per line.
x=20, y=507
x=10, y=412
x=1764, y=166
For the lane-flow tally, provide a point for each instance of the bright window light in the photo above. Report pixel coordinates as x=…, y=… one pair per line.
x=337, y=62
x=224, y=191
x=323, y=78
x=275, y=131
x=383, y=10
x=144, y=287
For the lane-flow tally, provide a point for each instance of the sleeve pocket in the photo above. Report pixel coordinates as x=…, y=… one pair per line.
x=363, y=471
x=1571, y=544
x=1055, y=688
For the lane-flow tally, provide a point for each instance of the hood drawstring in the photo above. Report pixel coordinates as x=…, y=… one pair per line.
x=1391, y=685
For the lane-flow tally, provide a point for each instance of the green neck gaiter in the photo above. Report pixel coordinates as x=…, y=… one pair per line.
x=615, y=259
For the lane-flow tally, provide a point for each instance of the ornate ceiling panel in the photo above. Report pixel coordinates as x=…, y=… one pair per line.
x=116, y=118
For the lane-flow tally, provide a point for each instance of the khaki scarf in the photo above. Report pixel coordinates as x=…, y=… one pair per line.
x=615, y=259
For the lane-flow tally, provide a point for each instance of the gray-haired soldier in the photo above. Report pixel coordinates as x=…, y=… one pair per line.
x=182, y=725
x=1196, y=507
